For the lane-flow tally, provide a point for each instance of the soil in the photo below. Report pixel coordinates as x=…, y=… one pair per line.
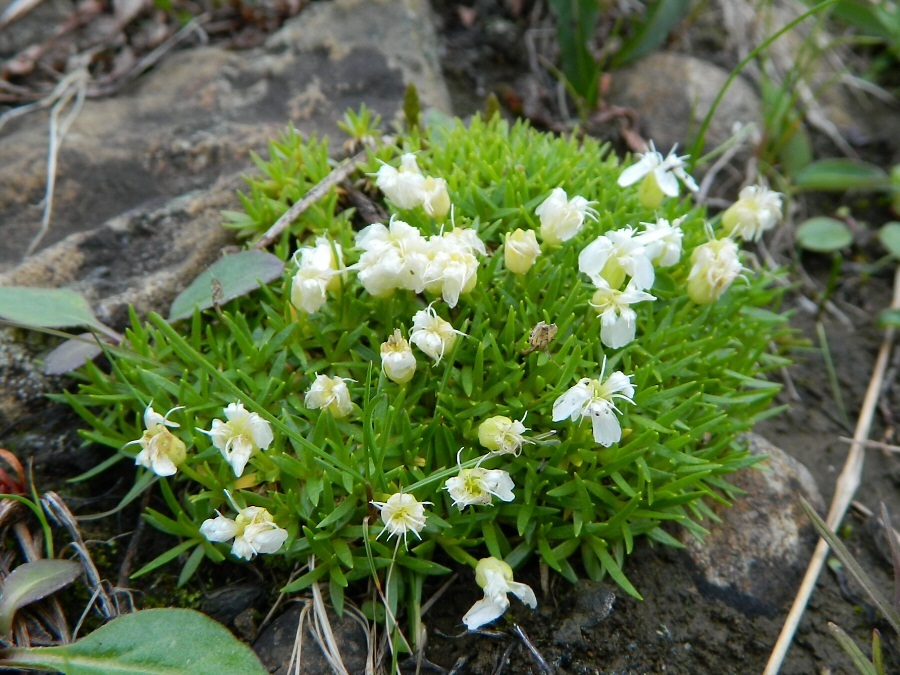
x=676, y=629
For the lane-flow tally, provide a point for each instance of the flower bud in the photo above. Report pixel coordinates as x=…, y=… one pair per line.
x=715, y=266
x=502, y=435
x=436, y=200
x=562, y=218
x=520, y=250
x=329, y=393
x=397, y=359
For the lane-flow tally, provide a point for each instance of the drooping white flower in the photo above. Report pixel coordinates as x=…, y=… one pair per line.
x=308, y=289
x=617, y=320
x=562, y=218
x=331, y=394
x=659, y=176
x=254, y=531
x=319, y=271
x=614, y=255
x=161, y=451
x=402, y=513
x=435, y=198
x=452, y=271
x=520, y=250
x=757, y=209
x=397, y=359
x=432, y=334
x=662, y=241
x=502, y=435
x=478, y=486
x=243, y=433
x=716, y=265
x=496, y=578
x=595, y=399
x=395, y=256
x=404, y=186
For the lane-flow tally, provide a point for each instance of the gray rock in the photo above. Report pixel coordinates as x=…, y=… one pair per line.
x=672, y=93
x=755, y=557
x=593, y=603
x=275, y=645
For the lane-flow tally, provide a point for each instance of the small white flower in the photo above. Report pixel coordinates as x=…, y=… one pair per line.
x=253, y=530
x=404, y=186
x=659, y=176
x=432, y=334
x=614, y=255
x=402, y=513
x=393, y=257
x=478, y=485
x=617, y=320
x=757, y=209
x=496, y=578
x=243, y=433
x=502, y=435
x=562, y=218
x=452, y=271
x=662, y=241
x=595, y=399
x=308, y=289
x=520, y=250
x=320, y=268
x=715, y=266
x=161, y=451
x=397, y=359
x=331, y=394
x=435, y=198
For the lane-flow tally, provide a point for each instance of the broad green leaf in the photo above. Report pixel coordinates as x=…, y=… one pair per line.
x=823, y=235
x=46, y=307
x=226, y=279
x=150, y=641
x=840, y=175
x=30, y=582
x=890, y=237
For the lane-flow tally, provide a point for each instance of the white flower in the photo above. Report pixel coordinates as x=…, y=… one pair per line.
x=659, y=176
x=254, y=531
x=617, y=320
x=397, y=359
x=452, y=271
x=478, y=486
x=715, y=266
x=406, y=186
x=502, y=435
x=520, y=250
x=320, y=268
x=432, y=334
x=331, y=394
x=240, y=436
x=662, y=241
x=614, y=255
x=402, y=513
x=757, y=209
x=594, y=399
x=435, y=198
x=308, y=289
x=496, y=578
x=393, y=257
x=562, y=218
x=161, y=451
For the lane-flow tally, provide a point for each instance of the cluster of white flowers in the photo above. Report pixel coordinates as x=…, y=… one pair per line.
x=253, y=530
x=409, y=189
x=320, y=268
x=161, y=451
x=757, y=209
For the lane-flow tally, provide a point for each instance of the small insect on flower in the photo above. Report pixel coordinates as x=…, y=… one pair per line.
x=496, y=578
x=161, y=451
x=402, y=513
x=659, y=176
x=477, y=486
x=397, y=359
x=254, y=531
x=562, y=218
x=595, y=399
x=502, y=435
x=331, y=394
x=432, y=334
x=757, y=209
x=237, y=439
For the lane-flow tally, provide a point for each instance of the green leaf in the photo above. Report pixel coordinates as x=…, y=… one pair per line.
x=46, y=307
x=823, y=235
x=226, y=279
x=30, y=582
x=862, y=665
x=890, y=237
x=661, y=19
x=840, y=175
x=150, y=641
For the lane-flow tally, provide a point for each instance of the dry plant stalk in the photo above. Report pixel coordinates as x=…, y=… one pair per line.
x=847, y=484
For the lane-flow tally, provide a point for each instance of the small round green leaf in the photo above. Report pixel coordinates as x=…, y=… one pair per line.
x=890, y=237
x=889, y=318
x=823, y=235
x=840, y=175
